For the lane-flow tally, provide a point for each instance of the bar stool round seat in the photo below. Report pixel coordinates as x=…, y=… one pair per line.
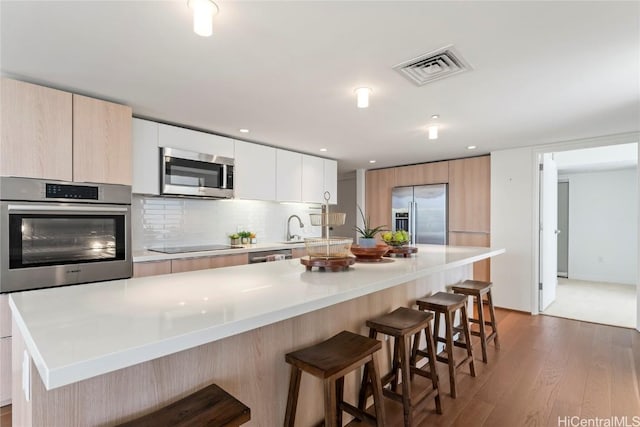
x=330, y=361
x=477, y=289
x=404, y=324
x=446, y=304
x=210, y=406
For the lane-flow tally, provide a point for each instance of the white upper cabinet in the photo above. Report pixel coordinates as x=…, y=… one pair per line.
x=254, y=172
x=331, y=179
x=146, y=157
x=288, y=176
x=312, y=179
x=191, y=140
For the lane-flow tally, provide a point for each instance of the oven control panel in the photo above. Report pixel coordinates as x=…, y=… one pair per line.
x=76, y=192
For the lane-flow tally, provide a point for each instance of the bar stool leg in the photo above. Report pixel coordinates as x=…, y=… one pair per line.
x=483, y=331
x=405, y=345
x=376, y=386
x=292, y=401
x=340, y=398
x=467, y=337
x=364, y=386
x=494, y=324
x=395, y=367
x=431, y=351
x=449, y=344
x=330, y=403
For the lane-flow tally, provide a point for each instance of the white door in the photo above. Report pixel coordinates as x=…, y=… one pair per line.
x=548, y=231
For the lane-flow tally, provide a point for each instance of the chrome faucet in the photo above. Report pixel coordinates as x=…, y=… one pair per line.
x=289, y=235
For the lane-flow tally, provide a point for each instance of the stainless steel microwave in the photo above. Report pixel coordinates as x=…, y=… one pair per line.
x=187, y=173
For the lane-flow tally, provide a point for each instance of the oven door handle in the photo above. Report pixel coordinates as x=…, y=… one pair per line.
x=59, y=208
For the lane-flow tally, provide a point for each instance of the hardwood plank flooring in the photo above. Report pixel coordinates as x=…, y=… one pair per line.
x=547, y=368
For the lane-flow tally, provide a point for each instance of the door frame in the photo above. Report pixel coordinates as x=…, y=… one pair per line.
x=633, y=137
x=566, y=231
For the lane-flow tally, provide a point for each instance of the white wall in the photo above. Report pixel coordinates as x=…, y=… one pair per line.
x=160, y=221
x=603, y=226
x=511, y=227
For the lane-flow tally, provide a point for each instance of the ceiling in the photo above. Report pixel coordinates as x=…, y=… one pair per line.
x=610, y=157
x=542, y=71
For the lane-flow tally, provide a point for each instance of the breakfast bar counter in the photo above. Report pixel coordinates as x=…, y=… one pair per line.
x=104, y=353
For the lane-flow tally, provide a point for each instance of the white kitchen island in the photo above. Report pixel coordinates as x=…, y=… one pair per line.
x=104, y=353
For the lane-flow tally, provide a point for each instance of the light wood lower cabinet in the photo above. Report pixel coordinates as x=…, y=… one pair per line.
x=36, y=137
x=202, y=263
x=481, y=269
x=5, y=371
x=5, y=316
x=151, y=268
x=298, y=252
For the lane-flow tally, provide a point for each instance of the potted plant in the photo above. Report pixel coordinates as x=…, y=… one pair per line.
x=367, y=233
x=244, y=236
x=235, y=239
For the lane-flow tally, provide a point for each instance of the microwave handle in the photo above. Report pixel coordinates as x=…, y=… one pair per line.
x=58, y=208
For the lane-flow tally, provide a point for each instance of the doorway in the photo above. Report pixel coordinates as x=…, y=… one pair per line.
x=591, y=243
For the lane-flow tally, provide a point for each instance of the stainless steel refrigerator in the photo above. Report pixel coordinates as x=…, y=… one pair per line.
x=422, y=211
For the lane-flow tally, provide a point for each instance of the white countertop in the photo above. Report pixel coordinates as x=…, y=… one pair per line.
x=78, y=332
x=146, y=255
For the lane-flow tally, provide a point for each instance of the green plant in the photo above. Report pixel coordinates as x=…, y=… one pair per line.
x=366, y=230
x=234, y=236
x=244, y=234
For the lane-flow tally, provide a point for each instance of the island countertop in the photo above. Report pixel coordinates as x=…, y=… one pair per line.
x=79, y=332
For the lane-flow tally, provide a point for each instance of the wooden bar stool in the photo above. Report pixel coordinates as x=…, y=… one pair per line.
x=477, y=289
x=447, y=304
x=330, y=361
x=402, y=324
x=211, y=406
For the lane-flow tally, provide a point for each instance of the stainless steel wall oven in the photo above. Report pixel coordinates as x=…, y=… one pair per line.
x=56, y=233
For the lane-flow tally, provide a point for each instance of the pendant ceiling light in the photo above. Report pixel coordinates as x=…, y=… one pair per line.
x=203, y=12
x=362, y=95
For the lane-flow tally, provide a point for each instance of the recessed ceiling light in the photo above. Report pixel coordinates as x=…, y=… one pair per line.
x=203, y=12
x=372, y=161
x=323, y=149
x=471, y=147
x=435, y=116
x=244, y=130
x=433, y=132
x=362, y=95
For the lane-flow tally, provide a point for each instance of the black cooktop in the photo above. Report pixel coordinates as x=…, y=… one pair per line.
x=180, y=249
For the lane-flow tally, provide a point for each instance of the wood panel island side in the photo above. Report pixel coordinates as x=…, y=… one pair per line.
x=105, y=353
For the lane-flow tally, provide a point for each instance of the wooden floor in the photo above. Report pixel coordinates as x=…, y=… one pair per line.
x=547, y=368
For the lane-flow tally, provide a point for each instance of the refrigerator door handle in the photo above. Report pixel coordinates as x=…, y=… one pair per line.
x=410, y=219
x=414, y=238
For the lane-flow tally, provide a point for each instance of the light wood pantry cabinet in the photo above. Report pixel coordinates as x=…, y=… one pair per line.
x=378, y=186
x=151, y=268
x=481, y=269
x=102, y=150
x=254, y=171
x=203, y=263
x=425, y=173
x=36, y=131
x=469, y=194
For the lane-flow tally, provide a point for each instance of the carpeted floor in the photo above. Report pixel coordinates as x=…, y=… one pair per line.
x=605, y=303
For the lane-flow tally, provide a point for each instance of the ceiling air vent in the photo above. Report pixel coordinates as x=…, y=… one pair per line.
x=435, y=65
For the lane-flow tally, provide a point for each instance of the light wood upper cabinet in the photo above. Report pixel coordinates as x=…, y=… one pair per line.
x=36, y=131
x=469, y=194
x=288, y=176
x=378, y=186
x=254, y=171
x=102, y=150
x=425, y=173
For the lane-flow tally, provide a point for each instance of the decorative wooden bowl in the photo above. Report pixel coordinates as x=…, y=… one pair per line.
x=369, y=254
x=404, y=251
x=328, y=264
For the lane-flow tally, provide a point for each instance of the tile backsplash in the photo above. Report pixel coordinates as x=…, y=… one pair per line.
x=163, y=221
